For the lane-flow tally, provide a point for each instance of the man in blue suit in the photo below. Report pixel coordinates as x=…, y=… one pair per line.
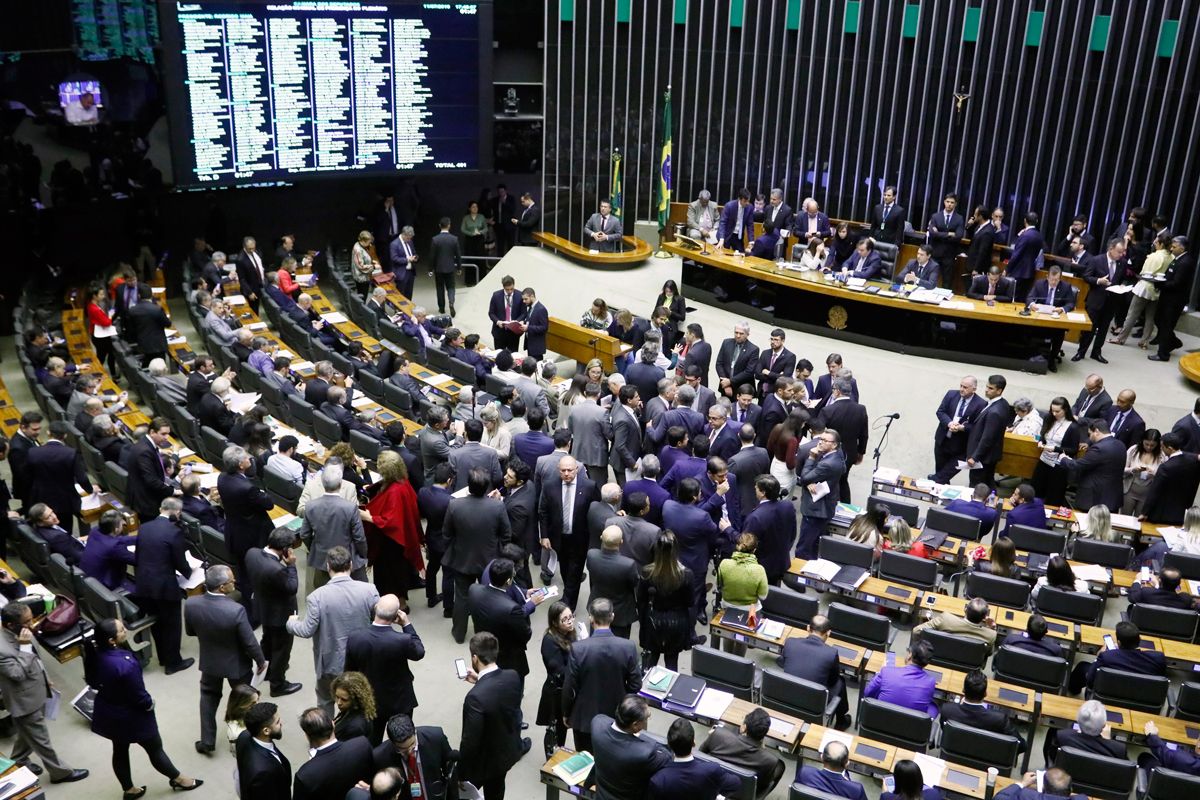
x=822, y=470
x=737, y=222
x=956, y=414
x=1128, y=657
x=686, y=777
x=1026, y=254
x=689, y=466
x=697, y=534
x=945, y=231
x=648, y=485
x=1101, y=272
x=811, y=223
x=922, y=271
x=1161, y=754
x=721, y=503
x=1055, y=783
x=1055, y=292
x=1027, y=509
x=977, y=507
x=773, y=521
x=865, y=263
x=722, y=437
x=161, y=555
x=534, y=443
x=832, y=777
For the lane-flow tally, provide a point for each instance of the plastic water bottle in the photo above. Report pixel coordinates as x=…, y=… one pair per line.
x=991, y=501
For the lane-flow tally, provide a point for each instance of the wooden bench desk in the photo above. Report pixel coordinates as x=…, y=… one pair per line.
x=635, y=251
x=583, y=344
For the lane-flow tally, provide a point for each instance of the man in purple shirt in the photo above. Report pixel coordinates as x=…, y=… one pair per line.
x=909, y=686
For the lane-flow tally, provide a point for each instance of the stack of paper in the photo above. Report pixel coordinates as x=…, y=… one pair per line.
x=821, y=568
x=1092, y=573
x=932, y=769
x=335, y=317
x=283, y=520
x=575, y=769
x=257, y=326
x=658, y=681
x=771, y=629
x=301, y=366
x=361, y=402
x=16, y=782
x=209, y=481
x=241, y=402
x=781, y=728
x=436, y=379
x=235, y=299
x=887, y=475
x=832, y=735
x=1126, y=522
x=712, y=703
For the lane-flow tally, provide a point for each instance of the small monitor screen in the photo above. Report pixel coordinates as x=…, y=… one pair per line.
x=71, y=91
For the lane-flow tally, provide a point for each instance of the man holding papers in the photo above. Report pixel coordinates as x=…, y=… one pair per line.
x=822, y=470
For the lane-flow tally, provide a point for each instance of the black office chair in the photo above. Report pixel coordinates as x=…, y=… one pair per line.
x=371, y=385
x=998, y=591
x=910, y=512
x=302, y=414
x=1187, y=564
x=951, y=523
x=1086, y=609
x=1167, y=784
x=888, y=254
x=215, y=546
x=841, y=550
x=366, y=446
x=186, y=426
x=397, y=399
x=32, y=549
x=64, y=577
x=798, y=791
x=1033, y=670
x=272, y=395
x=462, y=372
x=862, y=628
x=1168, y=623
x=1113, y=555
x=1096, y=775
x=962, y=653
x=909, y=570
x=724, y=670
x=249, y=379
x=438, y=359
x=979, y=749
x=116, y=480
x=809, y=701
x=344, y=365
x=282, y=490
x=328, y=431
x=888, y=722
x=788, y=607
x=214, y=444
x=1185, y=703
x=1116, y=687
x=1037, y=540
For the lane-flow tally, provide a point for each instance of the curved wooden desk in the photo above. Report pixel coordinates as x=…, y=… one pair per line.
x=636, y=251
x=1189, y=365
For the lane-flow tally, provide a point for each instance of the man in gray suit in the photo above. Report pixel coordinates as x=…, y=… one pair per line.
x=475, y=527
x=603, y=231
x=600, y=511
x=819, y=475
x=435, y=442
x=546, y=468
x=169, y=390
x=473, y=455
x=227, y=646
x=615, y=577
x=332, y=521
x=445, y=260
x=334, y=611
x=25, y=686
x=747, y=464
x=529, y=389
x=590, y=434
x=638, y=535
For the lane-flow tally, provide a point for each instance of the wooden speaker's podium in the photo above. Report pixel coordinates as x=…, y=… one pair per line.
x=583, y=344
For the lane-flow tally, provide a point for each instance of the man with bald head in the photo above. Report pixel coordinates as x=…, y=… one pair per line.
x=956, y=414
x=1124, y=421
x=615, y=577
x=832, y=776
x=382, y=652
x=562, y=523
x=1093, y=402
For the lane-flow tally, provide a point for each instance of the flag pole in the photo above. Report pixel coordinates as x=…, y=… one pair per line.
x=665, y=181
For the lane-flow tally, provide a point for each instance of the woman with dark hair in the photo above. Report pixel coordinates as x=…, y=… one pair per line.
x=474, y=230
x=1059, y=575
x=572, y=396
x=124, y=711
x=259, y=440
x=1141, y=465
x=393, y=526
x=241, y=698
x=1060, y=437
x=909, y=785
x=100, y=328
x=597, y=318
x=561, y=632
x=869, y=527
x=670, y=299
x=842, y=247
x=782, y=444
x=239, y=434
x=355, y=701
x=664, y=597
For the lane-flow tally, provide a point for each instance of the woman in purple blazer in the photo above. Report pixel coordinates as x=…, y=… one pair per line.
x=123, y=710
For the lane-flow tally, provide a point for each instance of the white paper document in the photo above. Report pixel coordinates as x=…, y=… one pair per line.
x=781, y=728
x=335, y=317
x=104, y=331
x=241, y=402
x=436, y=379
x=16, y=782
x=771, y=629
x=257, y=326
x=819, y=490
x=209, y=481
x=1120, y=288
x=257, y=678
x=1090, y=572
x=712, y=703
x=235, y=299
x=832, y=735
x=53, y=703
x=932, y=769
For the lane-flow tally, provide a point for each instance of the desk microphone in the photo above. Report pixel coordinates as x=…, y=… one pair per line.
x=594, y=342
x=893, y=416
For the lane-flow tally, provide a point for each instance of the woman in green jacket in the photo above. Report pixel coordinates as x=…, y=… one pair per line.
x=743, y=583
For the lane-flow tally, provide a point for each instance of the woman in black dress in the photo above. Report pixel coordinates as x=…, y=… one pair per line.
x=670, y=299
x=355, y=706
x=561, y=632
x=664, y=598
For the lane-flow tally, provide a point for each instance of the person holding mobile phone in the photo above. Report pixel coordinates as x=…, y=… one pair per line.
x=906, y=783
x=491, y=724
x=1128, y=657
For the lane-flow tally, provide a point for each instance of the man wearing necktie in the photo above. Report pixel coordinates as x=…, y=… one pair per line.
x=603, y=230
x=887, y=219
x=404, y=257
x=250, y=272
x=956, y=414
x=737, y=219
x=945, y=230
x=1124, y=421
x=562, y=516
x=505, y=307
x=421, y=755
x=1101, y=272
x=777, y=221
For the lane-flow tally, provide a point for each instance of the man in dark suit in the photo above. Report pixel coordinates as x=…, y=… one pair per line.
x=694, y=351
x=474, y=456
x=824, y=388
x=776, y=222
x=688, y=777
x=227, y=646
x=773, y=362
x=196, y=505
x=475, y=527
x=1056, y=783
x=1056, y=293
x=148, y=480
x=247, y=523
x=772, y=519
x=1027, y=509
x=1093, y=735
x=625, y=761
x=750, y=460
x=336, y=766
x=774, y=407
x=148, y=324
x=723, y=441
x=432, y=500
x=848, y=417
x=1022, y=264
x=993, y=286
x=527, y=222
x=1033, y=639
x=626, y=450
x=1128, y=657
x=491, y=720
x=1101, y=272
x=505, y=306
x=1124, y=421
x=614, y=577
x=973, y=710
x=638, y=534
x=562, y=518
x=698, y=535
x=55, y=469
x=24, y=441
x=537, y=322
x=944, y=231
x=888, y=219
x=1099, y=472
x=601, y=670
x=251, y=276
x=264, y=772
x=1173, y=489
x=502, y=210
x=985, y=440
x=922, y=271
x=648, y=485
x=422, y=754
x=1173, y=294
x=864, y=262
x=45, y=524
x=160, y=556
x=825, y=464
x=272, y=572
x=1168, y=755
x=493, y=610
x=832, y=776
x=743, y=747
x=212, y=411
x=956, y=415
x=520, y=504
x=736, y=360
x=982, y=233
x=1077, y=230
x=813, y=660
x=810, y=222
x=1187, y=426
x=1162, y=591
x=199, y=382
x=382, y=653
x=737, y=222
x=444, y=260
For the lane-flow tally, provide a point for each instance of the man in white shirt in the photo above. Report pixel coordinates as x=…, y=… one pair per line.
x=83, y=111
x=283, y=462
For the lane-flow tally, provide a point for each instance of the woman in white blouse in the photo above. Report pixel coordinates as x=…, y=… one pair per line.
x=1184, y=539
x=495, y=435
x=1145, y=293
x=1060, y=436
x=1028, y=421
x=1141, y=465
x=814, y=255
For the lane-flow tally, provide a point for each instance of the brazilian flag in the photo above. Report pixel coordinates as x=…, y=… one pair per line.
x=617, y=196
x=664, y=167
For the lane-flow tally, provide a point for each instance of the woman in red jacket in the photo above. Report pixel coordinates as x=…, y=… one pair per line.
x=100, y=327
x=393, y=528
